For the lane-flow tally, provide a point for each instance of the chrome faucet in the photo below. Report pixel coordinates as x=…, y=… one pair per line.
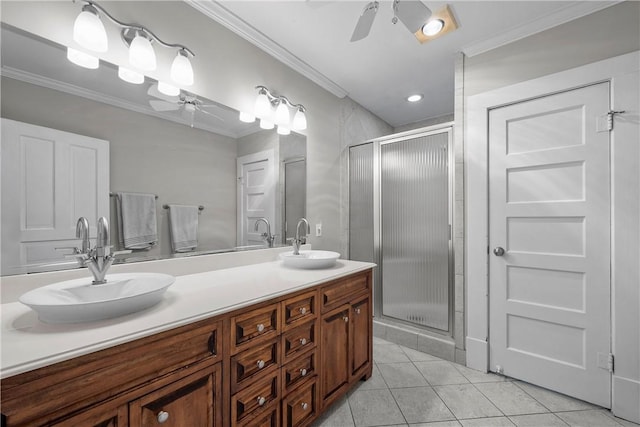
x=298, y=241
x=267, y=236
x=99, y=259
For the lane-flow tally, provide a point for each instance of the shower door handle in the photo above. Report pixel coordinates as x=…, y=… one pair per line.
x=498, y=251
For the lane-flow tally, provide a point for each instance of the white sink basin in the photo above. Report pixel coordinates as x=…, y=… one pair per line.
x=310, y=259
x=78, y=300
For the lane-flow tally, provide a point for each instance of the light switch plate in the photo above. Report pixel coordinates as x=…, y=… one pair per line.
x=318, y=230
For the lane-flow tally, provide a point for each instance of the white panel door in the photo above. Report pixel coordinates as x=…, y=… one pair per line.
x=50, y=178
x=549, y=185
x=256, y=195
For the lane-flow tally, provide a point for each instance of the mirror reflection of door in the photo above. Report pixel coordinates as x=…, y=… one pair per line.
x=295, y=172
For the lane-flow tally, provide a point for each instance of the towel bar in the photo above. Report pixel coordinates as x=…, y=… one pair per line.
x=115, y=194
x=200, y=208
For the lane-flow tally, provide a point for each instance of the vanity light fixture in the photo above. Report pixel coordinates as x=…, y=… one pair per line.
x=82, y=59
x=89, y=33
x=275, y=110
x=168, y=89
x=130, y=76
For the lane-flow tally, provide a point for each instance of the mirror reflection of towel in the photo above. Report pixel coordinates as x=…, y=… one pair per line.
x=137, y=217
x=183, y=227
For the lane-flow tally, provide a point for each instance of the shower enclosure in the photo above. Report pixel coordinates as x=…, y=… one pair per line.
x=400, y=218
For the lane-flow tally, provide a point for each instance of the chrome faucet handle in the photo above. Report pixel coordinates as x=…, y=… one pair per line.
x=122, y=252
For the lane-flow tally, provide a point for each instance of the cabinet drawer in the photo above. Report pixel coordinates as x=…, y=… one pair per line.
x=254, y=326
x=300, y=339
x=254, y=400
x=341, y=290
x=271, y=418
x=299, y=310
x=251, y=363
x=301, y=405
x=298, y=370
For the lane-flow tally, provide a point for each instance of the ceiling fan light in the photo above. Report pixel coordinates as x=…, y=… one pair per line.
x=262, y=106
x=82, y=59
x=141, y=54
x=181, y=69
x=432, y=27
x=299, y=120
x=168, y=89
x=130, y=76
x=266, y=124
x=88, y=30
x=247, y=117
x=282, y=114
x=283, y=130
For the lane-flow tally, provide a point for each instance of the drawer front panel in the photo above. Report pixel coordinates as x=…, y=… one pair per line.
x=247, y=403
x=252, y=362
x=300, y=406
x=269, y=419
x=299, y=310
x=253, y=326
x=298, y=370
x=297, y=340
x=340, y=291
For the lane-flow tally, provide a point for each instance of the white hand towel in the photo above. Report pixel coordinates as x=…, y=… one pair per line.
x=183, y=227
x=137, y=216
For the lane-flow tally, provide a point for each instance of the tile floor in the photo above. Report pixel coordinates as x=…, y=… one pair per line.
x=410, y=388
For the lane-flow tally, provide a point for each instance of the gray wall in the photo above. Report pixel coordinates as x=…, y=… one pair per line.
x=180, y=164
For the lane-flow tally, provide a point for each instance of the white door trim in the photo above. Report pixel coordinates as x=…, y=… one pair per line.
x=615, y=70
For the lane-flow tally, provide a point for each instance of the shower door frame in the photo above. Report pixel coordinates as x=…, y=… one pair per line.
x=377, y=219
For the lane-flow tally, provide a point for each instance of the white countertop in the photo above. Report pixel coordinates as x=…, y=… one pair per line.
x=29, y=344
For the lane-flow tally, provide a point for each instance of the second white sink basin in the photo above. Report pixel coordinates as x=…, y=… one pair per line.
x=78, y=300
x=310, y=259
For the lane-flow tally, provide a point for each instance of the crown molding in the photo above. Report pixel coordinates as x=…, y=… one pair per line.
x=49, y=83
x=226, y=18
x=573, y=11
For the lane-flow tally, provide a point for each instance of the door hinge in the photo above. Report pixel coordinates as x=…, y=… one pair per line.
x=610, y=116
x=610, y=363
x=606, y=361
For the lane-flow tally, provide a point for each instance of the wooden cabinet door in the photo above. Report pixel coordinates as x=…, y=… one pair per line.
x=104, y=415
x=334, y=353
x=193, y=401
x=360, y=342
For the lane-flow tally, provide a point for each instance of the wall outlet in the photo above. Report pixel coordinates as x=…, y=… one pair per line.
x=318, y=230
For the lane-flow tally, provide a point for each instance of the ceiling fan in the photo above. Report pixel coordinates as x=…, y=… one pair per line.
x=188, y=103
x=412, y=13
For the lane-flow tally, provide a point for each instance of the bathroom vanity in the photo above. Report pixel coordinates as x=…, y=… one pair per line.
x=258, y=345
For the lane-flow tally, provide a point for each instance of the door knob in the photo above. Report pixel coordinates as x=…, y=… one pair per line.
x=498, y=251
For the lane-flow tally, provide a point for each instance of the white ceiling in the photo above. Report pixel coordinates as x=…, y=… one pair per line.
x=380, y=71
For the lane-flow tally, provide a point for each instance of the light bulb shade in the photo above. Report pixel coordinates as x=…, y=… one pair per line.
x=181, y=69
x=168, y=89
x=141, y=54
x=89, y=32
x=262, y=108
x=130, y=76
x=266, y=124
x=299, y=121
x=82, y=59
x=282, y=114
x=283, y=130
x=247, y=117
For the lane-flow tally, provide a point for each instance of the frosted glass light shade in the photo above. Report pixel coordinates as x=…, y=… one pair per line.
x=283, y=130
x=299, y=121
x=168, y=89
x=282, y=114
x=141, y=54
x=262, y=107
x=89, y=32
x=181, y=69
x=247, y=117
x=130, y=76
x=82, y=59
x=266, y=124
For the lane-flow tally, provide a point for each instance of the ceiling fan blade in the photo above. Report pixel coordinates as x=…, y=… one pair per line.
x=163, y=105
x=153, y=91
x=210, y=114
x=365, y=21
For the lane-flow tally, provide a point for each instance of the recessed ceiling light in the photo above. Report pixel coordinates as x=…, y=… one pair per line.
x=433, y=27
x=414, y=98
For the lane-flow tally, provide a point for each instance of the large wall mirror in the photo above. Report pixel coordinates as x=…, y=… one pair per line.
x=186, y=150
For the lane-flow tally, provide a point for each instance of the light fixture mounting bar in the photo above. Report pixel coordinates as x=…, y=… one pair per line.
x=136, y=28
x=275, y=99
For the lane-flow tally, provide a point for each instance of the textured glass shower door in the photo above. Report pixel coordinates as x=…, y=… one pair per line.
x=415, y=230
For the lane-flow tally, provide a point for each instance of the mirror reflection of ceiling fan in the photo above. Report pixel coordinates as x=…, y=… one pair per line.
x=412, y=13
x=188, y=104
